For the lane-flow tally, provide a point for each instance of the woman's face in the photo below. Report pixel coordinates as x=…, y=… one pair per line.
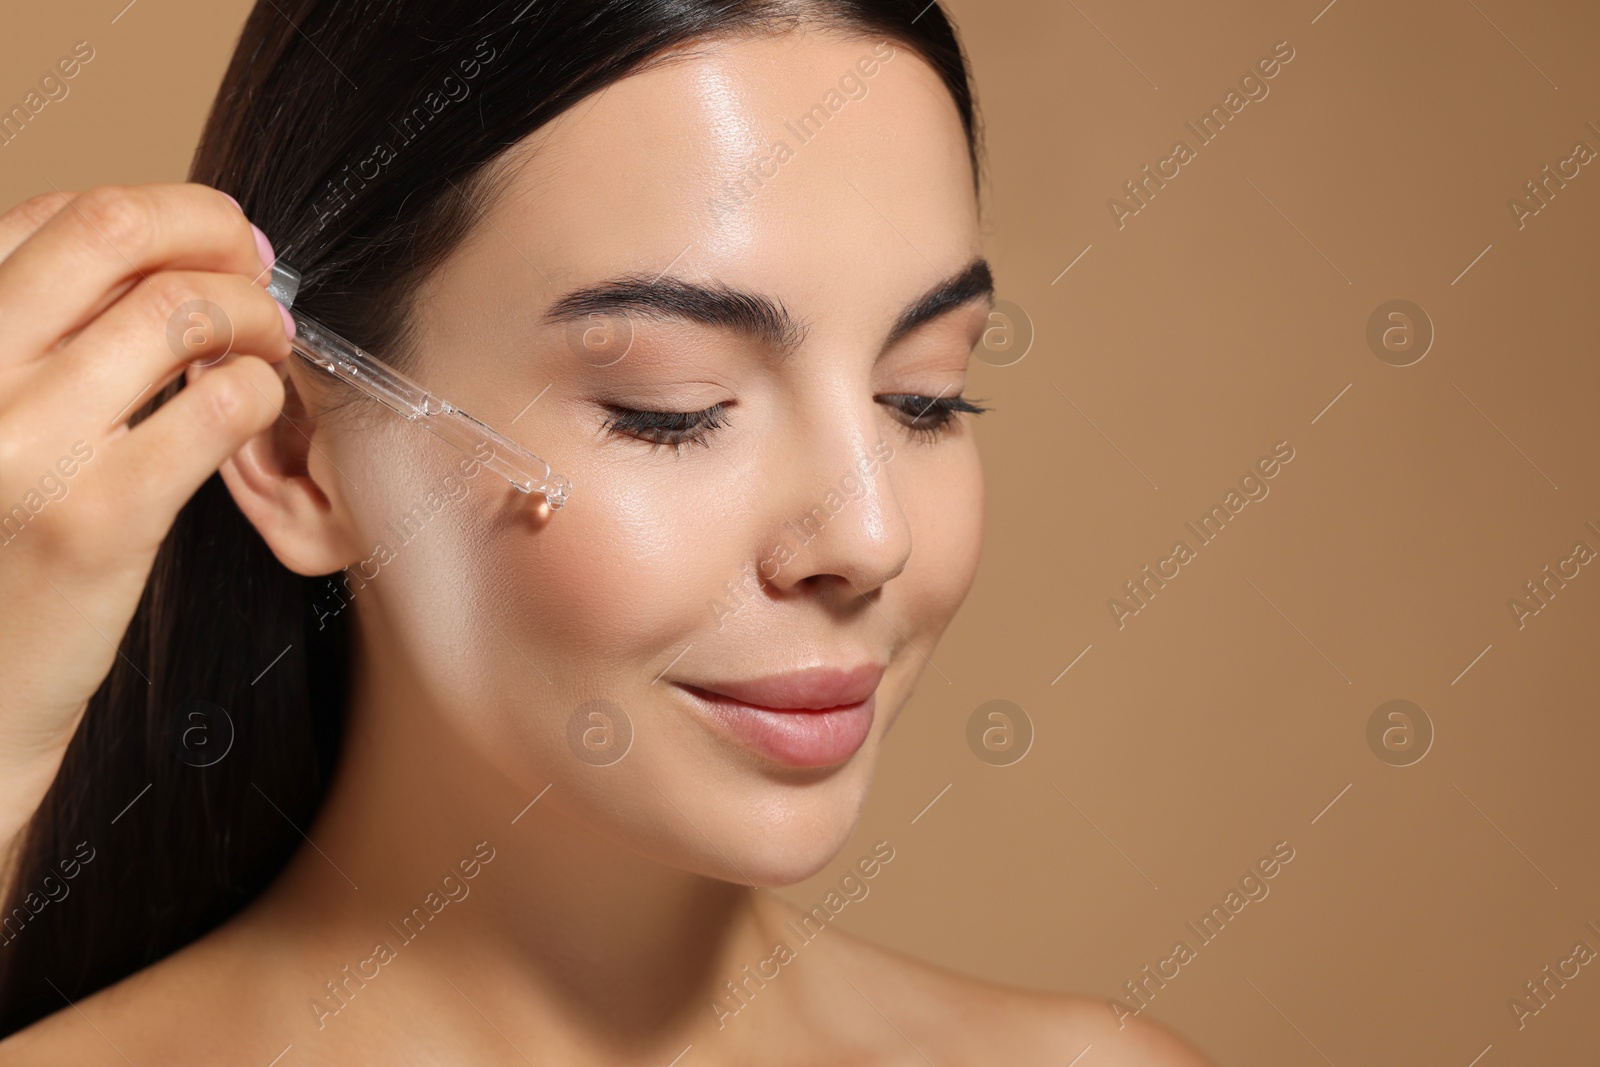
x=782, y=209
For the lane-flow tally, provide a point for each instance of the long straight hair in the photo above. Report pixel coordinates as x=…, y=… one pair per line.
x=358, y=134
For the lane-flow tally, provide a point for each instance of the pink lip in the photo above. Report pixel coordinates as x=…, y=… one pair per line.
x=810, y=718
x=814, y=688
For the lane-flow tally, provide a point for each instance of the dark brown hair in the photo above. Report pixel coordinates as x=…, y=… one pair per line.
x=359, y=135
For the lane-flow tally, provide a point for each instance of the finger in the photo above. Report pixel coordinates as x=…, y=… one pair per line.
x=169, y=455
x=116, y=292
x=20, y=222
x=193, y=318
x=112, y=234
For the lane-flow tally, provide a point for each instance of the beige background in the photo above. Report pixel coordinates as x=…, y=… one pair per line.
x=1227, y=315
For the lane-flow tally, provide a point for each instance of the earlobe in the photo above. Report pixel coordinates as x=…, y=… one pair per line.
x=279, y=487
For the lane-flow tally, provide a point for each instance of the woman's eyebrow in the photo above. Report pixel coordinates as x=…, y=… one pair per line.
x=973, y=282
x=755, y=315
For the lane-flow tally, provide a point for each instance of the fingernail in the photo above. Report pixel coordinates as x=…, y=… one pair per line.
x=288, y=321
x=235, y=202
x=264, y=246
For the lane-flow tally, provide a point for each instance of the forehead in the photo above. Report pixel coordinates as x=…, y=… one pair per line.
x=828, y=171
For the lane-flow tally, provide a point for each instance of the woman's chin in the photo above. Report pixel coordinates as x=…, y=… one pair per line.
x=777, y=856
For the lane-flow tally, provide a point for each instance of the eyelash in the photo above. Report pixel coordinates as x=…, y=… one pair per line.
x=931, y=417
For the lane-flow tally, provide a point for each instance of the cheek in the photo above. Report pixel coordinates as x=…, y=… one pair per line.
x=628, y=575
x=944, y=503
x=598, y=599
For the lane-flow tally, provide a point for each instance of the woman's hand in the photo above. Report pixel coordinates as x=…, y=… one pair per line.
x=105, y=296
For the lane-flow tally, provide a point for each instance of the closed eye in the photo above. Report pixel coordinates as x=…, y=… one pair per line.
x=673, y=428
x=926, y=418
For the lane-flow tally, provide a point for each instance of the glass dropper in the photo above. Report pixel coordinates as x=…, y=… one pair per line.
x=352, y=364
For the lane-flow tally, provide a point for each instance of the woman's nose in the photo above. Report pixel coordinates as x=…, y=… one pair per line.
x=835, y=508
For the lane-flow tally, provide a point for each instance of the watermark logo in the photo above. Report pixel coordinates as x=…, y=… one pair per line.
x=1007, y=336
x=599, y=732
x=195, y=329
x=600, y=340
x=999, y=733
x=1399, y=733
x=1399, y=332
x=202, y=733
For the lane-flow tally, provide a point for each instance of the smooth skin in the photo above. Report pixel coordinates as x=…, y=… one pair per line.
x=619, y=899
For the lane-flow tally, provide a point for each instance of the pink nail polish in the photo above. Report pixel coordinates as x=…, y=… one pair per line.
x=264, y=246
x=235, y=202
x=288, y=321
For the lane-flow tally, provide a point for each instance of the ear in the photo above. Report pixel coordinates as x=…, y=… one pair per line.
x=284, y=489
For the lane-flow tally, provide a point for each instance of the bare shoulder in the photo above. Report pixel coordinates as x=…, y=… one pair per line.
x=52, y=1040
x=972, y=1020
x=76, y=1033
x=1066, y=1019
x=190, y=993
